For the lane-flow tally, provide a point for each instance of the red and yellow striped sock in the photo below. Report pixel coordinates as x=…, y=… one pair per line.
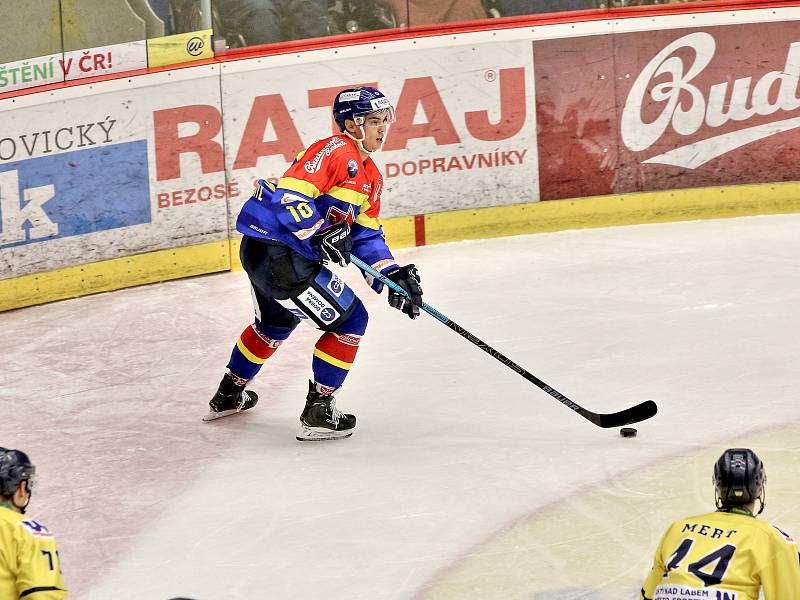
x=334, y=354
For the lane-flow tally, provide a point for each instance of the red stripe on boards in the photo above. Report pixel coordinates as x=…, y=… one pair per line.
x=419, y=230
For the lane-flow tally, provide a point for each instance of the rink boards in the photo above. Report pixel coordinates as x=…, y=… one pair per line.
x=612, y=121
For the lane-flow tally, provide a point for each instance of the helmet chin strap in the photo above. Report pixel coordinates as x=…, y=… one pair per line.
x=359, y=122
x=359, y=141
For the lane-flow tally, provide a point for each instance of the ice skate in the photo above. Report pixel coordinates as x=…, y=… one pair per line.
x=321, y=420
x=229, y=400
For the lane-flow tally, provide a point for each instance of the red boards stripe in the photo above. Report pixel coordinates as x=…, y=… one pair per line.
x=419, y=230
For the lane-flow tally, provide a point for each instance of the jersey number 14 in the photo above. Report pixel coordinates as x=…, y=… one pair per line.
x=721, y=556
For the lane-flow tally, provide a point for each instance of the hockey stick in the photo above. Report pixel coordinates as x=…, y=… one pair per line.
x=634, y=414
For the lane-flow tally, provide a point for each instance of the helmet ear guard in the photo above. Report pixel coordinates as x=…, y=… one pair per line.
x=739, y=478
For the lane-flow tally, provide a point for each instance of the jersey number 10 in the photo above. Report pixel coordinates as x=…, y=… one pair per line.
x=303, y=211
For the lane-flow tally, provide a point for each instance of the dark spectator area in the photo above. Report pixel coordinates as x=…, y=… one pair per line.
x=38, y=28
x=252, y=22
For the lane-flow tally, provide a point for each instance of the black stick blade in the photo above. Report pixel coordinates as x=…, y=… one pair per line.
x=634, y=414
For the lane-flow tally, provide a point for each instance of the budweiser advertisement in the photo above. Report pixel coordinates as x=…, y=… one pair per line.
x=667, y=109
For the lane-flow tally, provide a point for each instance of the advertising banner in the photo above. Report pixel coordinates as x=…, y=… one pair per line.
x=77, y=174
x=31, y=72
x=78, y=64
x=68, y=194
x=165, y=160
x=105, y=60
x=675, y=108
x=180, y=48
x=464, y=136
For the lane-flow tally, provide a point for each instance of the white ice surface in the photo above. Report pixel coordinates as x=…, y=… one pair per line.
x=462, y=479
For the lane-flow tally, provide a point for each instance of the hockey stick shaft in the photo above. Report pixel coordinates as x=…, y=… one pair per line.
x=634, y=414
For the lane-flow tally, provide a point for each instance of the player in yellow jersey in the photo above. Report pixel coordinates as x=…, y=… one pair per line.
x=727, y=554
x=29, y=562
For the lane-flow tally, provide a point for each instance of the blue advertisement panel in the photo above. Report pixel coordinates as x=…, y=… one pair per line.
x=74, y=193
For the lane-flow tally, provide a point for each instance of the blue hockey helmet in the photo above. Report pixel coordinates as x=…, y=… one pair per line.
x=15, y=467
x=739, y=478
x=356, y=103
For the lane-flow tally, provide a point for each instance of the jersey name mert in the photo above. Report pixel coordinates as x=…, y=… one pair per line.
x=706, y=530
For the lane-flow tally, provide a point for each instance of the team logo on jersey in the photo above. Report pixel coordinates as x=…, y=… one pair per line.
x=366, y=188
x=337, y=215
x=327, y=315
x=352, y=168
x=313, y=165
x=36, y=529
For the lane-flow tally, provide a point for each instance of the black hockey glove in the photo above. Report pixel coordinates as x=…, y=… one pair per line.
x=334, y=243
x=407, y=278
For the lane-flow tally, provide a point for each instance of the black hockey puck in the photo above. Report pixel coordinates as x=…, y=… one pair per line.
x=627, y=432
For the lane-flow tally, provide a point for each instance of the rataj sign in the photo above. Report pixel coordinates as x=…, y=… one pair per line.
x=418, y=94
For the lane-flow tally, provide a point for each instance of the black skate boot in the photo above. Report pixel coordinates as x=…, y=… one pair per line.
x=321, y=420
x=231, y=398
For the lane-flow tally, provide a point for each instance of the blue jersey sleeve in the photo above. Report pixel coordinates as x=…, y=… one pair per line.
x=283, y=215
x=370, y=246
x=297, y=215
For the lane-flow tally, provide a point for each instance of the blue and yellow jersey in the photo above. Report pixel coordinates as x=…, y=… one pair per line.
x=326, y=184
x=29, y=561
x=724, y=556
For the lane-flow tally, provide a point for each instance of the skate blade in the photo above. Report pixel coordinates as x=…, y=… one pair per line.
x=318, y=434
x=213, y=416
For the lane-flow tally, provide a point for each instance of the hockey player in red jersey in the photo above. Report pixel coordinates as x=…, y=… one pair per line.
x=324, y=208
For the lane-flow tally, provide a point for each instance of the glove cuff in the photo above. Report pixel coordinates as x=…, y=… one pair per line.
x=383, y=267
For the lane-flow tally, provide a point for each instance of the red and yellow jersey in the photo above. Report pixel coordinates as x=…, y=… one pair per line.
x=29, y=562
x=328, y=182
x=724, y=556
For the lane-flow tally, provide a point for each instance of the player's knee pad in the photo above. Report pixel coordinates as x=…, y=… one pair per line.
x=327, y=302
x=272, y=334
